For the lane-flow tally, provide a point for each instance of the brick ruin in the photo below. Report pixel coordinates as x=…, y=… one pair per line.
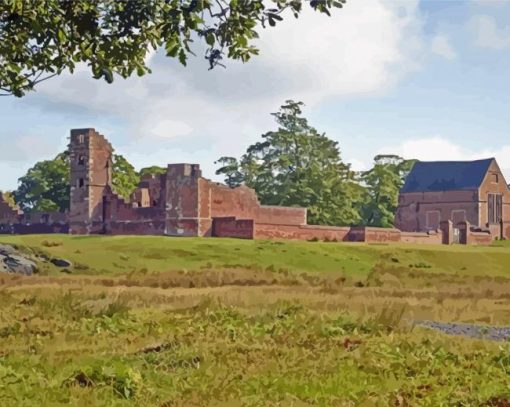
x=181, y=202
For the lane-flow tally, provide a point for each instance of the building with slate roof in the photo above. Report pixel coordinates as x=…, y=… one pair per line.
x=456, y=191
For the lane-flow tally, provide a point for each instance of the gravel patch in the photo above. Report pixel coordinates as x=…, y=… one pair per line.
x=493, y=333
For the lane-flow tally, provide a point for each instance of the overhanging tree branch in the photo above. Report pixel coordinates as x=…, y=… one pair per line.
x=113, y=37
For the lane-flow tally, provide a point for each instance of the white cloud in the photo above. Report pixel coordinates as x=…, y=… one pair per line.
x=28, y=147
x=366, y=47
x=441, y=46
x=441, y=149
x=487, y=33
x=357, y=165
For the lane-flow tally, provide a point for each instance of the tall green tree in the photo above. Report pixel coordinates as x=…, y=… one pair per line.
x=45, y=186
x=298, y=166
x=383, y=183
x=124, y=176
x=42, y=38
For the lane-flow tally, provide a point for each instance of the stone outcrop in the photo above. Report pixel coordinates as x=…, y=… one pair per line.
x=13, y=261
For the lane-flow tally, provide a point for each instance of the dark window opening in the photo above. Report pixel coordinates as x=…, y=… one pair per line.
x=81, y=182
x=81, y=160
x=154, y=203
x=495, y=208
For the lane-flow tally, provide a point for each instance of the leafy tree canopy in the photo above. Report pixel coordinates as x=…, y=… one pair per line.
x=45, y=186
x=153, y=170
x=124, y=176
x=297, y=166
x=8, y=197
x=383, y=183
x=42, y=38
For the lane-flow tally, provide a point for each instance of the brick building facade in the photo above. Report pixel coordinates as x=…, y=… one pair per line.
x=475, y=192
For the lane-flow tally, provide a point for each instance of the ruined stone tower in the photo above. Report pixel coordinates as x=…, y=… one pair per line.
x=91, y=175
x=182, y=200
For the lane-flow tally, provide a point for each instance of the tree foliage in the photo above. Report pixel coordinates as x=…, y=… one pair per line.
x=45, y=186
x=230, y=168
x=125, y=179
x=297, y=166
x=383, y=183
x=42, y=38
x=152, y=170
x=8, y=197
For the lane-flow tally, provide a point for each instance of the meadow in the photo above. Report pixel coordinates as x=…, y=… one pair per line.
x=154, y=321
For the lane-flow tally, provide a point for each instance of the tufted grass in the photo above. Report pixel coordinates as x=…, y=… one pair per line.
x=121, y=255
x=150, y=321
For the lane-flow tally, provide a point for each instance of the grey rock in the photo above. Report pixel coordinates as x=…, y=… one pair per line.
x=18, y=264
x=6, y=250
x=61, y=262
x=13, y=261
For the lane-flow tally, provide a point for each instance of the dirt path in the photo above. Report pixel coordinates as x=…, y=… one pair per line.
x=493, y=333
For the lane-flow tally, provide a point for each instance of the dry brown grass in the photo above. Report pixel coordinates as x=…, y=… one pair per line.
x=487, y=301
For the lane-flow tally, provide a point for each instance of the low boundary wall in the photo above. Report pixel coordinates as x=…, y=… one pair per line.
x=249, y=229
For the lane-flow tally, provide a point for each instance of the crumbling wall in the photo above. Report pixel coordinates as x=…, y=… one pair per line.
x=155, y=185
x=122, y=218
x=36, y=223
x=8, y=213
x=217, y=201
x=90, y=157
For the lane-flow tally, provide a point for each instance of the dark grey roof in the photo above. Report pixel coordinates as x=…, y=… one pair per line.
x=446, y=175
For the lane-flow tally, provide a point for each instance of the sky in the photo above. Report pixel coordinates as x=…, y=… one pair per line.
x=425, y=79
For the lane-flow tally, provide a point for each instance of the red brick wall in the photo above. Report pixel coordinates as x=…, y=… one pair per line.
x=155, y=183
x=218, y=201
x=281, y=215
x=373, y=235
x=381, y=235
x=470, y=235
x=422, y=237
x=489, y=185
x=123, y=218
x=479, y=238
x=300, y=232
x=36, y=223
x=232, y=227
x=348, y=234
x=7, y=213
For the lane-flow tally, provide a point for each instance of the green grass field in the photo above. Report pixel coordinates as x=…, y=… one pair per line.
x=154, y=321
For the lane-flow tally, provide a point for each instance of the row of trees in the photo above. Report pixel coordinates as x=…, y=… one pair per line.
x=292, y=166
x=298, y=166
